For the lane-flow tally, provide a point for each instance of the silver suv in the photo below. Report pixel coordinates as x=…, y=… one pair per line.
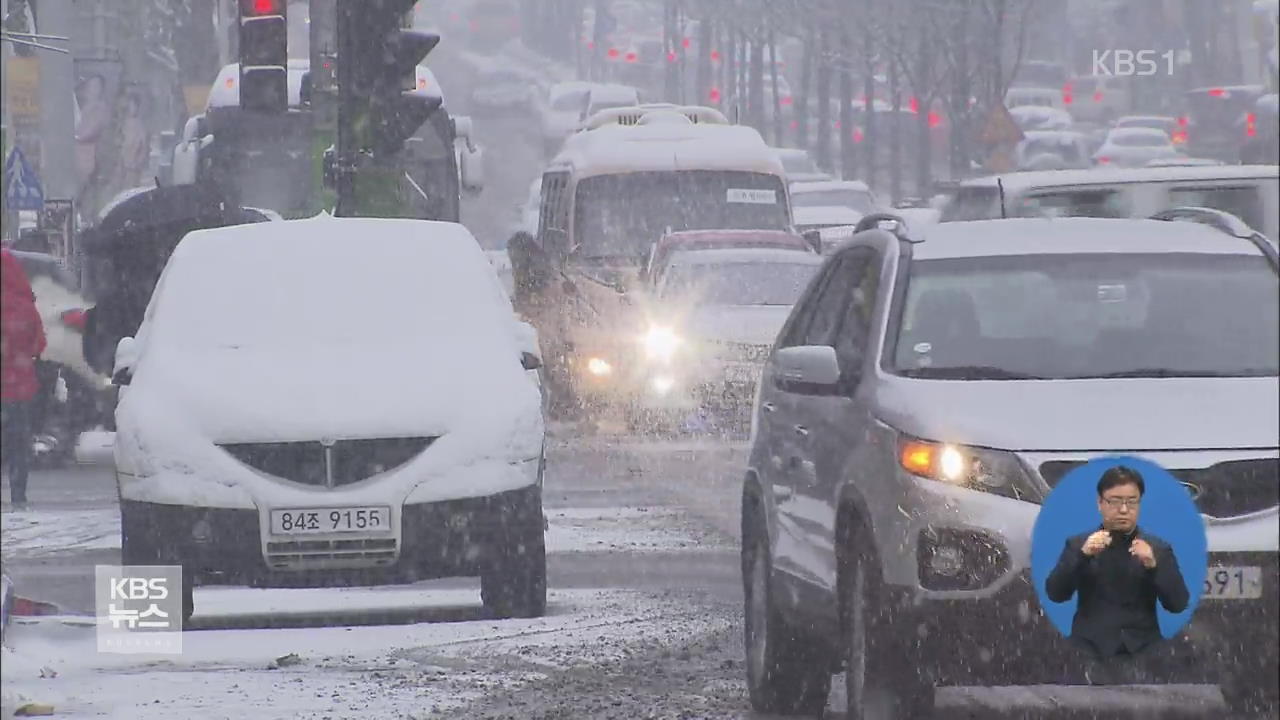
x=924, y=397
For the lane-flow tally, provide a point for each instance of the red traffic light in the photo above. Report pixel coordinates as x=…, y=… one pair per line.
x=260, y=8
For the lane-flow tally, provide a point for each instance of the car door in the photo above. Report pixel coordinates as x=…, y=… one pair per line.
x=838, y=421
x=791, y=431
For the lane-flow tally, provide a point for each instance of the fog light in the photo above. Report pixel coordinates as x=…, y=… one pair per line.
x=946, y=561
x=955, y=559
x=598, y=367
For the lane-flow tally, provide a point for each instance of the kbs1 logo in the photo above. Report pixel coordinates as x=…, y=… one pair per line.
x=1130, y=63
x=139, y=608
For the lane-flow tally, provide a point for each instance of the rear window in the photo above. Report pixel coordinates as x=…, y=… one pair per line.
x=1075, y=202
x=1244, y=202
x=569, y=101
x=1139, y=140
x=1220, y=111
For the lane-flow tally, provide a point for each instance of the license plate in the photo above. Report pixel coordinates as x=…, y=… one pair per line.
x=316, y=521
x=1233, y=583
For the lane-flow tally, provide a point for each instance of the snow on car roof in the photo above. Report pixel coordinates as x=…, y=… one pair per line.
x=1024, y=181
x=569, y=87
x=1042, y=236
x=613, y=93
x=1145, y=118
x=722, y=256
x=1038, y=111
x=826, y=215
x=617, y=149
x=825, y=185
x=1137, y=132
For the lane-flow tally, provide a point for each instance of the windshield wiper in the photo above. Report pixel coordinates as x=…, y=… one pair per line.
x=968, y=372
x=1175, y=372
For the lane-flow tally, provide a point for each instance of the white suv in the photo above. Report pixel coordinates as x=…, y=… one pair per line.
x=328, y=401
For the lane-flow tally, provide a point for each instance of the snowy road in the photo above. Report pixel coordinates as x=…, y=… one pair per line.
x=644, y=619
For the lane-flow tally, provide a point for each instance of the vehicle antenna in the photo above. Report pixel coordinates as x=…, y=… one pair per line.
x=1000, y=185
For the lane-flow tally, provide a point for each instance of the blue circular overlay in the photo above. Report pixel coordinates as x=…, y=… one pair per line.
x=1167, y=511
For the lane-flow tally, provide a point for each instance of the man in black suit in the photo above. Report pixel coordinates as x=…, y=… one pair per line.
x=1119, y=571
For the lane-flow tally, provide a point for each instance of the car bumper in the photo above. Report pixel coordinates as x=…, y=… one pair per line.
x=221, y=546
x=1006, y=639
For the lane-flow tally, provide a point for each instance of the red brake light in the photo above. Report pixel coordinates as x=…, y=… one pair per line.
x=857, y=135
x=786, y=100
x=715, y=95
x=1067, y=99
x=1217, y=92
x=256, y=8
x=73, y=319
x=632, y=57
x=715, y=56
x=613, y=53
x=685, y=43
x=1183, y=121
x=1104, y=160
x=671, y=56
x=914, y=105
x=1251, y=125
x=1097, y=97
x=935, y=120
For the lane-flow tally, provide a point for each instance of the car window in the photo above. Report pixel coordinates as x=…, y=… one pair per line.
x=803, y=316
x=1245, y=202
x=1139, y=140
x=863, y=267
x=831, y=306
x=1083, y=202
x=972, y=203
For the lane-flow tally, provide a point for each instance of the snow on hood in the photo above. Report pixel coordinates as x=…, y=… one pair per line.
x=1138, y=414
x=339, y=328
x=745, y=324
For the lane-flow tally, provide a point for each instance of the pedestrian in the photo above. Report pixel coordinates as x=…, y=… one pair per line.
x=1119, y=571
x=21, y=343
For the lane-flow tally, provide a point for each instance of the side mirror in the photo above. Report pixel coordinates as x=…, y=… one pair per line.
x=529, y=361
x=813, y=369
x=814, y=238
x=472, y=169
x=126, y=356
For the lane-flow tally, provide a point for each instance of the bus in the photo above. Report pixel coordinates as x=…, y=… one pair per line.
x=629, y=177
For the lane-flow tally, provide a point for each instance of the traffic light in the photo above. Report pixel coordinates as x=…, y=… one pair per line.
x=381, y=58
x=264, y=56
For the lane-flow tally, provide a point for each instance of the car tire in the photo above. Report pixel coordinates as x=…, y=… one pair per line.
x=787, y=673
x=513, y=583
x=880, y=669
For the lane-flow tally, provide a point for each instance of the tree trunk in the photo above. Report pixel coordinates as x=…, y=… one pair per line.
x=755, y=84
x=895, y=134
x=804, y=98
x=777, y=99
x=823, y=145
x=704, y=71
x=848, y=152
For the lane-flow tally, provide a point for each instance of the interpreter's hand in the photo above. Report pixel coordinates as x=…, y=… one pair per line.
x=1142, y=550
x=1096, y=543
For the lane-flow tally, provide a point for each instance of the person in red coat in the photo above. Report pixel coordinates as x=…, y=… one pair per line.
x=21, y=342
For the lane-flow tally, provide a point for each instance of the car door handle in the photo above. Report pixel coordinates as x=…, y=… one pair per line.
x=768, y=407
x=802, y=431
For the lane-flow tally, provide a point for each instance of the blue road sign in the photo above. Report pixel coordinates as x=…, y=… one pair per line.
x=22, y=189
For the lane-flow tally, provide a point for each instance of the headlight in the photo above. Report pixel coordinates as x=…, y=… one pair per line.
x=661, y=343
x=975, y=468
x=599, y=367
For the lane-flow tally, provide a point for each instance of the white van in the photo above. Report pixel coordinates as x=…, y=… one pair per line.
x=1246, y=191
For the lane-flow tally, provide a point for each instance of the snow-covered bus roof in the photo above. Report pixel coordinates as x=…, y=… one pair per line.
x=226, y=87
x=667, y=146
x=1023, y=181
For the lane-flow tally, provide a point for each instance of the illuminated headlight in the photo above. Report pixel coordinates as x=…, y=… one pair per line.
x=599, y=367
x=974, y=468
x=662, y=384
x=661, y=343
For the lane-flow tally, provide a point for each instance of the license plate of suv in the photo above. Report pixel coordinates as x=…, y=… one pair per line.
x=1232, y=583
x=317, y=521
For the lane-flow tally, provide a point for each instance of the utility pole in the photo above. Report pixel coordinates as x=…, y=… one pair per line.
x=347, y=154
x=57, y=115
x=322, y=29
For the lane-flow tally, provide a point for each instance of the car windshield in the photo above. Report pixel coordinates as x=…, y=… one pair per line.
x=1139, y=140
x=1165, y=124
x=738, y=283
x=859, y=200
x=1064, y=147
x=1091, y=316
x=620, y=216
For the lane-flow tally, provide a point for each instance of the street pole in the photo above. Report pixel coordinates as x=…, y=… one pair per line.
x=345, y=149
x=322, y=50
x=57, y=111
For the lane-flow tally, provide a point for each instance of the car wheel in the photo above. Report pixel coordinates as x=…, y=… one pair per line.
x=513, y=582
x=786, y=673
x=881, y=679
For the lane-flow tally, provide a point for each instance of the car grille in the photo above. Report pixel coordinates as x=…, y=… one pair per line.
x=1227, y=489
x=363, y=552
x=342, y=462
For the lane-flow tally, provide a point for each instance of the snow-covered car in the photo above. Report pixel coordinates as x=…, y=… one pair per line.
x=1040, y=117
x=1135, y=147
x=824, y=216
x=561, y=113
x=799, y=165
x=1052, y=150
x=608, y=97
x=1170, y=125
x=342, y=417
x=901, y=455
x=716, y=315
x=853, y=194
x=503, y=90
x=683, y=241
x=1096, y=98
x=527, y=211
